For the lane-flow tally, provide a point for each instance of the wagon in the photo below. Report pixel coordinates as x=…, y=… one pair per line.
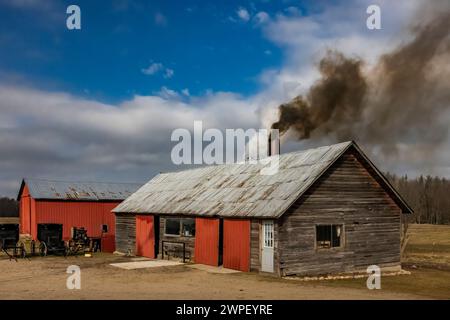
x=50, y=239
x=9, y=236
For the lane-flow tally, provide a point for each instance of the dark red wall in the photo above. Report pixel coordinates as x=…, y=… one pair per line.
x=25, y=205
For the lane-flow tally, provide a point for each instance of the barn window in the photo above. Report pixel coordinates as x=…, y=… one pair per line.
x=188, y=227
x=328, y=236
x=104, y=228
x=180, y=227
x=173, y=227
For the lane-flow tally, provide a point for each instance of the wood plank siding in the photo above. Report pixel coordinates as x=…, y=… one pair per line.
x=174, y=248
x=255, y=245
x=348, y=195
x=126, y=233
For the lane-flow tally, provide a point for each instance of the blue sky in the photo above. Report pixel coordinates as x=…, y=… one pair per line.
x=101, y=103
x=216, y=46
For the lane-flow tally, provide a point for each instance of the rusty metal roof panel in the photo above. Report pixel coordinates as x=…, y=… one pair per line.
x=234, y=190
x=79, y=191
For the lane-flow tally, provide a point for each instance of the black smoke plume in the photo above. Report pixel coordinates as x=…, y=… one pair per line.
x=400, y=100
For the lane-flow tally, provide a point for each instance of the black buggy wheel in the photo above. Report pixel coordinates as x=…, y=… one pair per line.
x=43, y=249
x=66, y=250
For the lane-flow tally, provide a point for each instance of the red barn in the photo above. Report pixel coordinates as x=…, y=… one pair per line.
x=72, y=204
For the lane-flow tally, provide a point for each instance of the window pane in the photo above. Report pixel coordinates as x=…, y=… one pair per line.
x=336, y=233
x=328, y=236
x=188, y=227
x=173, y=226
x=268, y=235
x=323, y=236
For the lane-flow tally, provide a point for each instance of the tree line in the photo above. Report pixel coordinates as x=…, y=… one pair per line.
x=9, y=207
x=428, y=196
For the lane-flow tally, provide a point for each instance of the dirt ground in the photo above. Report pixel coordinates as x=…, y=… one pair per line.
x=45, y=278
x=427, y=258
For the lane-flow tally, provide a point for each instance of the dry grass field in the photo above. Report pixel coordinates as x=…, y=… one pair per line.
x=45, y=278
x=428, y=245
x=427, y=257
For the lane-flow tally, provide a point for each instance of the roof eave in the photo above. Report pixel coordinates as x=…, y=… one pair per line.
x=22, y=186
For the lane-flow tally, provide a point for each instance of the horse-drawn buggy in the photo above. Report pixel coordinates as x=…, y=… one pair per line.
x=9, y=237
x=49, y=241
x=50, y=237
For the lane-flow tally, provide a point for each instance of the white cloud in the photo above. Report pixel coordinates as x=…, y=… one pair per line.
x=57, y=135
x=261, y=17
x=243, y=14
x=293, y=11
x=157, y=67
x=304, y=41
x=153, y=68
x=168, y=73
x=167, y=93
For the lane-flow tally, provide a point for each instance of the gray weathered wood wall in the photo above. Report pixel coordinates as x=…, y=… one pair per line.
x=255, y=245
x=126, y=233
x=347, y=194
x=189, y=241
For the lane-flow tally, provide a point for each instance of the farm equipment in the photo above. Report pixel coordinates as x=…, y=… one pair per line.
x=9, y=236
x=50, y=239
x=27, y=245
x=80, y=241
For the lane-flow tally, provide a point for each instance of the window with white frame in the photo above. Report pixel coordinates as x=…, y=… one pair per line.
x=268, y=234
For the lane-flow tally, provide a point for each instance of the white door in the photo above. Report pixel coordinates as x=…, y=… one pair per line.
x=267, y=246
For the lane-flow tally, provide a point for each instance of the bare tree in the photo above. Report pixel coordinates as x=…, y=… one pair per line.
x=428, y=196
x=8, y=207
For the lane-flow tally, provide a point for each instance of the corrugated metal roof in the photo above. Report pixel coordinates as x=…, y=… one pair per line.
x=234, y=190
x=82, y=191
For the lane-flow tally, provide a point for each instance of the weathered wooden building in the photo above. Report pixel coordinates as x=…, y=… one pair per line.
x=326, y=210
x=72, y=204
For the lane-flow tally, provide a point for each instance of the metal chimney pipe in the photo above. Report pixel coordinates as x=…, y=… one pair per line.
x=274, y=146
